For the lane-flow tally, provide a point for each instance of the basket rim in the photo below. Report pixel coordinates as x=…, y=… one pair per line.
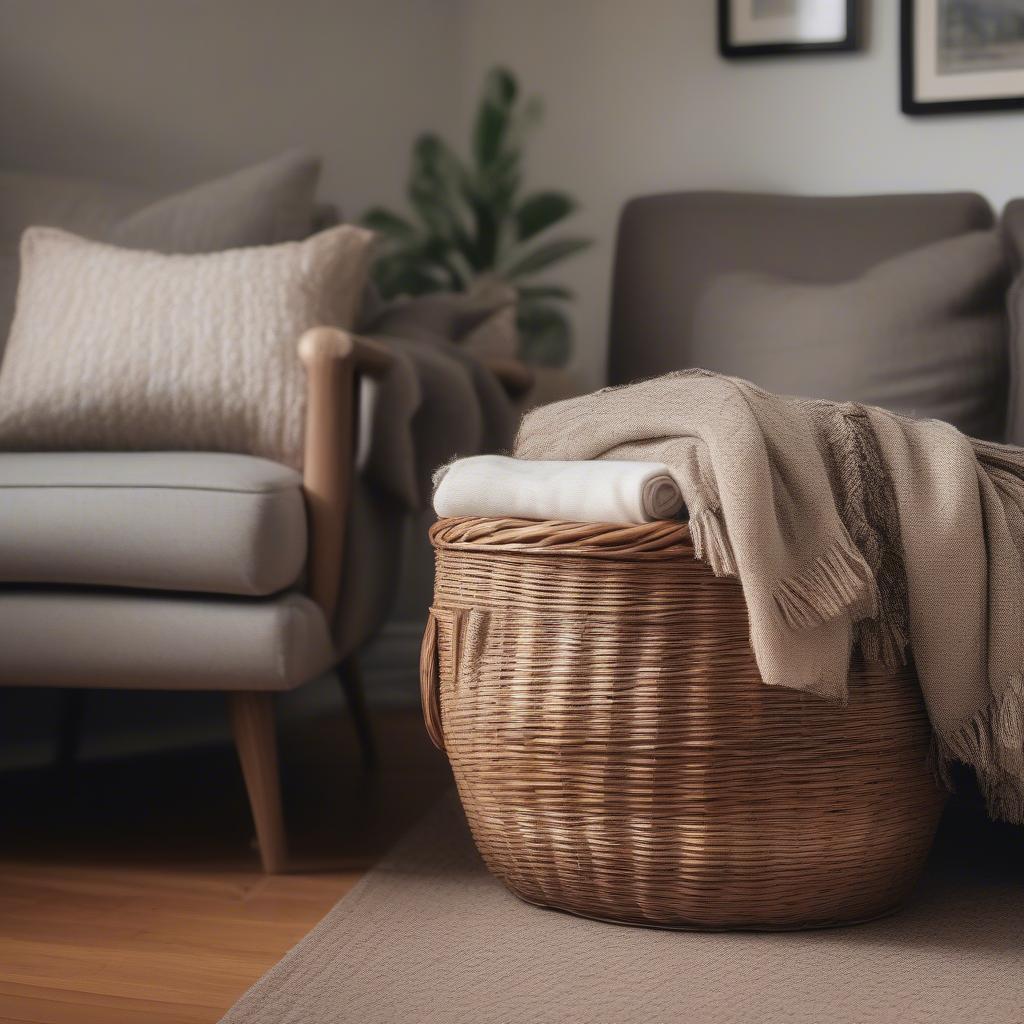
x=646, y=541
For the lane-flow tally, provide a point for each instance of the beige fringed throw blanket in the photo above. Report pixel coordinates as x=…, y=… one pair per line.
x=845, y=524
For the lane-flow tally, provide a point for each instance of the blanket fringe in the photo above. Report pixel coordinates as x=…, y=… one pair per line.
x=711, y=542
x=836, y=582
x=992, y=743
x=882, y=640
x=870, y=512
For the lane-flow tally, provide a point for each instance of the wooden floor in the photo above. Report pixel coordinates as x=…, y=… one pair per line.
x=137, y=897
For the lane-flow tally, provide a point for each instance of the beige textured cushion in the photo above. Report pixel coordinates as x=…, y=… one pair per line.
x=116, y=349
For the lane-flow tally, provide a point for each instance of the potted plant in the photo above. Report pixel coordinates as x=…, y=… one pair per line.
x=473, y=227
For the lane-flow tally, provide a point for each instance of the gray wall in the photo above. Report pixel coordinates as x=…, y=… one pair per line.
x=639, y=101
x=169, y=92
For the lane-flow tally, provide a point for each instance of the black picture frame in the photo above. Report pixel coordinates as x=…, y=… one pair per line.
x=850, y=42
x=914, y=107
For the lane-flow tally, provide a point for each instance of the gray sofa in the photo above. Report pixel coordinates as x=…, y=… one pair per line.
x=895, y=300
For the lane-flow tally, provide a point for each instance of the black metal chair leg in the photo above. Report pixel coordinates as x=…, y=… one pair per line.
x=351, y=680
x=69, y=740
x=69, y=729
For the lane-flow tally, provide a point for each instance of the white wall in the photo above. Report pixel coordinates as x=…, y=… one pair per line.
x=639, y=101
x=170, y=92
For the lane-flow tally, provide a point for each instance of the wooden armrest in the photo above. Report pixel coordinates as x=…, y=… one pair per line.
x=332, y=359
x=516, y=377
x=327, y=343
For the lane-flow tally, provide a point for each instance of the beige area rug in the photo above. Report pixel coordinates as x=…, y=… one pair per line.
x=428, y=936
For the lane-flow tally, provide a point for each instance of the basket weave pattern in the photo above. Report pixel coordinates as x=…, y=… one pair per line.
x=618, y=756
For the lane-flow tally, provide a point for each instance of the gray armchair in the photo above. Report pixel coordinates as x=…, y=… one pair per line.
x=197, y=570
x=211, y=571
x=892, y=300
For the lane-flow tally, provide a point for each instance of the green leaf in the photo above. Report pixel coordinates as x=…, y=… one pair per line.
x=390, y=225
x=443, y=255
x=435, y=177
x=399, y=275
x=545, y=255
x=494, y=116
x=436, y=186
x=489, y=133
x=499, y=194
x=534, y=292
x=487, y=234
x=500, y=87
x=428, y=264
x=500, y=179
x=490, y=195
x=545, y=336
x=540, y=211
x=525, y=119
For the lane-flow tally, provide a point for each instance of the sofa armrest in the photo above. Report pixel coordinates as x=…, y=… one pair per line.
x=515, y=377
x=332, y=359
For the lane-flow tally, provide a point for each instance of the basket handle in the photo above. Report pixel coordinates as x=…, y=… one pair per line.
x=469, y=634
x=430, y=690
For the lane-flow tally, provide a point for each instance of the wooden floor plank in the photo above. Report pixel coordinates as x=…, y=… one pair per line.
x=28, y=1003
x=114, y=915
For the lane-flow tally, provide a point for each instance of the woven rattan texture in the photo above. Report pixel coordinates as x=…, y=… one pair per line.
x=618, y=756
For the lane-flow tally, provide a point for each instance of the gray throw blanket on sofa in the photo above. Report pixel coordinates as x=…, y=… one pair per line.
x=436, y=401
x=845, y=524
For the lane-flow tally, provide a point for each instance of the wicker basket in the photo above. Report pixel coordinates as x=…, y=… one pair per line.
x=618, y=756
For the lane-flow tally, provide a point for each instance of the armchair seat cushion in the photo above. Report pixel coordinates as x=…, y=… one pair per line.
x=172, y=521
x=125, y=640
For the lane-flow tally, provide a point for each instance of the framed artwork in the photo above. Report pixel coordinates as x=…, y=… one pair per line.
x=961, y=55
x=762, y=28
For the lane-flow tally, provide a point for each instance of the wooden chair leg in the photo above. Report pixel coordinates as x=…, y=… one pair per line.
x=351, y=679
x=252, y=721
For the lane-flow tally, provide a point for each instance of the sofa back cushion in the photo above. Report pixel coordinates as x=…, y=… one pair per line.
x=672, y=247
x=922, y=333
x=113, y=349
x=261, y=205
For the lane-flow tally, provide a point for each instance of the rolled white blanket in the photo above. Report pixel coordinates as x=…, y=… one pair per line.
x=604, y=491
